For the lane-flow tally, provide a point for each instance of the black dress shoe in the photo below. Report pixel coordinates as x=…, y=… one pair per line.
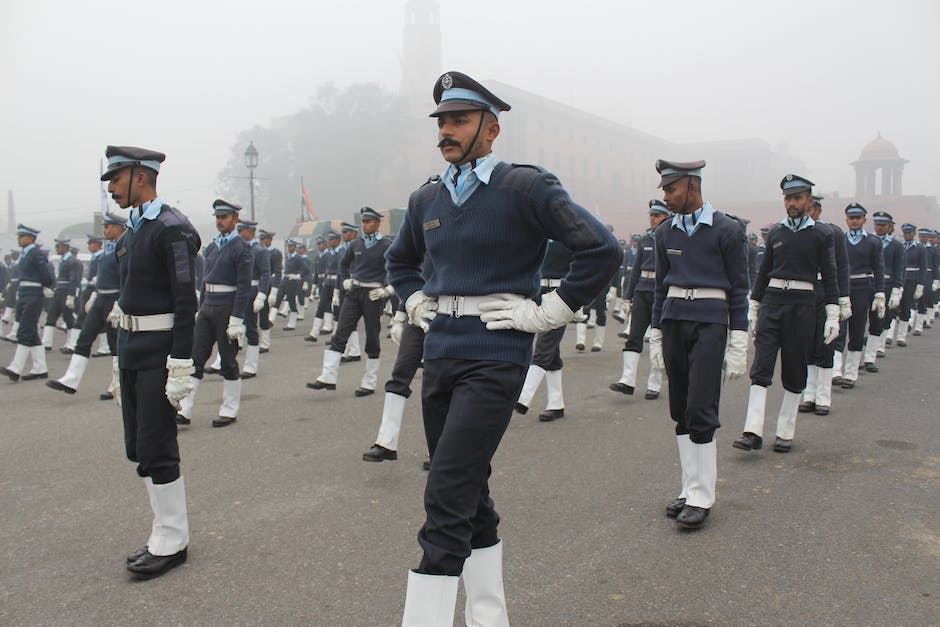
x=902, y=343
x=248, y=375
x=319, y=385
x=595, y=349
x=551, y=414
x=888, y=341
x=182, y=420
x=345, y=360
x=880, y=354
x=33, y=377
x=106, y=396
x=379, y=454
x=522, y=409
x=222, y=421
x=325, y=331
x=263, y=350
x=692, y=517
x=748, y=442
x=651, y=395
x=821, y=410
x=623, y=388
x=870, y=367
x=847, y=384
x=363, y=392
x=837, y=381
x=136, y=555
x=13, y=376
x=674, y=506
x=210, y=370
x=579, y=347
x=55, y=385
x=426, y=465
x=48, y=349
x=807, y=407
x=622, y=334
x=149, y=566
x=782, y=446
x=311, y=338
x=916, y=333
x=65, y=350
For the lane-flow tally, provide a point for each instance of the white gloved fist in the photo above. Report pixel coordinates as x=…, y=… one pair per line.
x=611, y=294
x=70, y=302
x=47, y=292
x=753, y=307
x=894, y=301
x=511, y=311
x=91, y=301
x=918, y=292
x=347, y=284
x=831, y=326
x=115, y=386
x=272, y=297
x=845, y=308
x=379, y=293
x=878, y=304
x=179, y=383
x=421, y=310
x=236, y=328
x=936, y=285
x=398, y=326
x=736, y=354
x=115, y=315
x=656, y=350
x=258, y=304
x=626, y=307
x=334, y=302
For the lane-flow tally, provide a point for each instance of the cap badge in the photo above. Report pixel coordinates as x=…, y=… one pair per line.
x=789, y=177
x=447, y=81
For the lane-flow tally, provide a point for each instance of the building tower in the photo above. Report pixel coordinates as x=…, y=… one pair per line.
x=421, y=60
x=878, y=154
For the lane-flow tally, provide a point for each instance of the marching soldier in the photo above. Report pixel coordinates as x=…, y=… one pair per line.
x=327, y=269
x=915, y=277
x=155, y=310
x=701, y=291
x=306, y=281
x=67, y=286
x=294, y=270
x=894, y=264
x=926, y=301
x=782, y=312
x=87, y=288
x=9, y=298
x=638, y=307
x=362, y=269
x=349, y=234
x=257, y=295
x=225, y=296
x=35, y=280
x=269, y=311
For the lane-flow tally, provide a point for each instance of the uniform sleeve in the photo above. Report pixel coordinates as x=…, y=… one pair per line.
x=898, y=271
x=763, y=273
x=635, y=270
x=878, y=263
x=179, y=254
x=826, y=254
x=264, y=269
x=404, y=257
x=662, y=269
x=734, y=252
x=242, y=281
x=842, y=261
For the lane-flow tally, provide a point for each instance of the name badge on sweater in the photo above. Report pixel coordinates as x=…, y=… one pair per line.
x=121, y=251
x=433, y=224
x=673, y=251
x=778, y=244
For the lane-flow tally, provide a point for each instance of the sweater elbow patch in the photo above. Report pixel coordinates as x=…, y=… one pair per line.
x=181, y=262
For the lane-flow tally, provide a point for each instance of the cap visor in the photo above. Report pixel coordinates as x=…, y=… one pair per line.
x=449, y=106
x=671, y=178
x=796, y=190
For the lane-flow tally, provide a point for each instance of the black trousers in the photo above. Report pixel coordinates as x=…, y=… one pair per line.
x=907, y=301
x=293, y=293
x=926, y=300
x=547, y=353
x=263, y=322
x=326, y=300
x=790, y=329
x=821, y=353
x=694, y=353
x=96, y=321
x=57, y=308
x=80, y=303
x=599, y=305
x=467, y=406
x=211, y=324
x=28, y=308
x=410, y=354
x=861, y=296
x=281, y=293
x=149, y=425
x=251, y=319
x=641, y=314
x=357, y=305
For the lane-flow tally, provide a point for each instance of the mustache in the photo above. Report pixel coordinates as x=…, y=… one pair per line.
x=448, y=142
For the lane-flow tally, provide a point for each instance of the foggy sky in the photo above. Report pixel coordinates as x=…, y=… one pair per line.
x=184, y=77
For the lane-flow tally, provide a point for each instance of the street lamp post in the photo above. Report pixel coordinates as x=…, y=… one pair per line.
x=251, y=162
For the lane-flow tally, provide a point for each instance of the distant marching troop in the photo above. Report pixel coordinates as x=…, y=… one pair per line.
x=491, y=264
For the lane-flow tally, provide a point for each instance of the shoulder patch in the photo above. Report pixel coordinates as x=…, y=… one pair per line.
x=520, y=177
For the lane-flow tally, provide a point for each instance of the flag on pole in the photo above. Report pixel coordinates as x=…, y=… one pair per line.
x=305, y=201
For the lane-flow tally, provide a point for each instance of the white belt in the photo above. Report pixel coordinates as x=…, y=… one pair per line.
x=63, y=282
x=292, y=277
x=551, y=282
x=458, y=306
x=791, y=284
x=114, y=291
x=217, y=287
x=155, y=322
x=887, y=276
x=330, y=276
x=861, y=276
x=366, y=283
x=647, y=274
x=696, y=293
x=255, y=282
x=29, y=283
x=912, y=269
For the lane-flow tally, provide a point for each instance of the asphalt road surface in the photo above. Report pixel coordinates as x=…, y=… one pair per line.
x=289, y=526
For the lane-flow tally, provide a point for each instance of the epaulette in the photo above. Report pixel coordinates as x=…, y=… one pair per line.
x=737, y=219
x=434, y=178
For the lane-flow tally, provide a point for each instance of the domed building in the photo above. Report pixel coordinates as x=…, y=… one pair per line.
x=878, y=155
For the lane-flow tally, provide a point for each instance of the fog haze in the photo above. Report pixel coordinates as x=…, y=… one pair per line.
x=821, y=78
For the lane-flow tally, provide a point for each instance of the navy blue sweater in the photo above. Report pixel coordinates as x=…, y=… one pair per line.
x=645, y=259
x=716, y=257
x=260, y=268
x=277, y=265
x=867, y=257
x=894, y=264
x=69, y=276
x=34, y=267
x=109, y=277
x=229, y=266
x=800, y=255
x=915, y=264
x=493, y=243
x=365, y=264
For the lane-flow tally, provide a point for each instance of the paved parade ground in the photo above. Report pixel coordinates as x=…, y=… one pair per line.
x=289, y=526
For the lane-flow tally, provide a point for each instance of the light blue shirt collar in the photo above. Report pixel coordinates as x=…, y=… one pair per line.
x=805, y=222
x=371, y=240
x=690, y=223
x=221, y=240
x=147, y=211
x=854, y=236
x=462, y=181
x=97, y=254
x=65, y=256
x=25, y=250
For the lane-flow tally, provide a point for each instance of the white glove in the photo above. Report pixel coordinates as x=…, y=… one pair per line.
x=611, y=294
x=736, y=354
x=335, y=301
x=398, y=326
x=894, y=301
x=272, y=297
x=656, y=350
x=70, y=302
x=9, y=314
x=379, y=293
x=831, y=326
x=304, y=287
x=918, y=292
x=845, y=308
x=179, y=385
x=258, y=305
x=47, y=292
x=91, y=301
x=511, y=311
x=236, y=328
x=753, y=306
x=421, y=310
x=115, y=315
x=115, y=386
x=936, y=285
x=626, y=307
x=878, y=304
x=347, y=284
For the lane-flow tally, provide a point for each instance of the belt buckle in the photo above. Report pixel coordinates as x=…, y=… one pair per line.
x=455, y=307
x=126, y=322
x=689, y=293
x=786, y=284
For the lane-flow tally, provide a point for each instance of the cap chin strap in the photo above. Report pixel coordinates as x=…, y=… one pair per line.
x=130, y=183
x=474, y=142
x=688, y=191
